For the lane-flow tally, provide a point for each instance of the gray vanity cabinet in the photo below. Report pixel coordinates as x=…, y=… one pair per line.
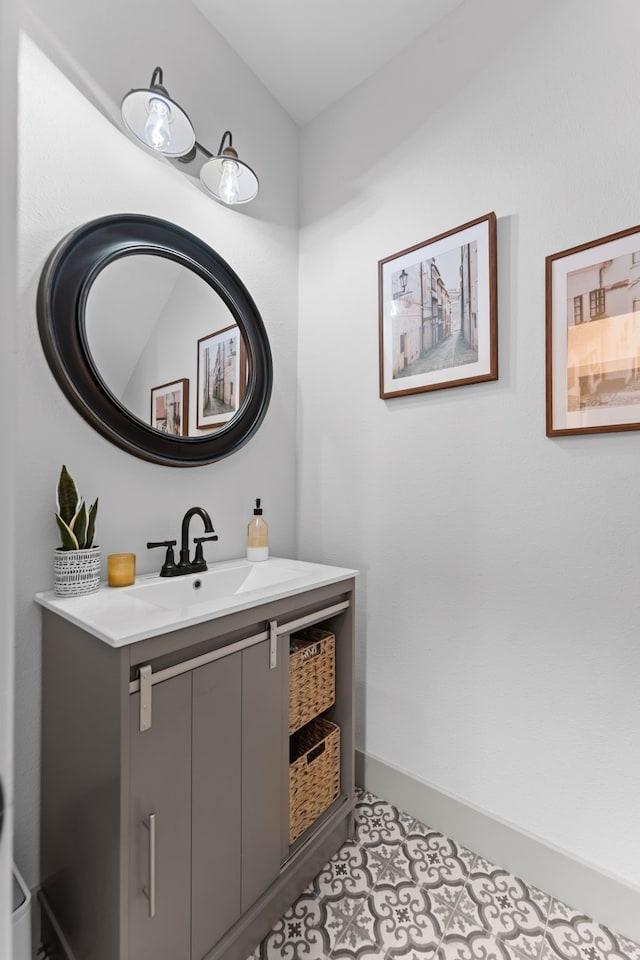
x=168, y=840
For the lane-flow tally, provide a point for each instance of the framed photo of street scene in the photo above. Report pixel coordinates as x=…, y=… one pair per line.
x=170, y=407
x=222, y=376
x=438, y=314
x=593, y=336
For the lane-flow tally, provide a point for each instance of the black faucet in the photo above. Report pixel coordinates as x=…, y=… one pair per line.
x=185, y=565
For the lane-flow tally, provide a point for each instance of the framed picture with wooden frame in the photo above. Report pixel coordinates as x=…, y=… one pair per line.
x=438, y=314
x=222, y=377
x=170, y=407
x=593, y=336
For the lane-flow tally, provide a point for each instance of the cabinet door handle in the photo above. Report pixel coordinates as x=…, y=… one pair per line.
x=150, y=891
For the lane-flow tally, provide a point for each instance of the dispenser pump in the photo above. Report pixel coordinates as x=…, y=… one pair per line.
x=258, y=536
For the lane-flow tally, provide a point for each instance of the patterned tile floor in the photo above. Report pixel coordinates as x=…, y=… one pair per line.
x=404, y=890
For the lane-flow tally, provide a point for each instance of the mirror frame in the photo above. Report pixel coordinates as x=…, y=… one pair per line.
x=65, y=283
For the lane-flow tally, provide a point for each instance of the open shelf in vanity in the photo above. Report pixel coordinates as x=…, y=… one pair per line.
x=165, y=780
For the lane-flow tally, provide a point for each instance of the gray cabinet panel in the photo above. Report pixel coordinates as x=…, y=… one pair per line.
x=264, y=756
x=82, y=703
x=217, y=742
x=160, y=772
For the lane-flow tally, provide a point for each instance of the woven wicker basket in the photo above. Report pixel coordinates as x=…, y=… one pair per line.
x=314, y=773
x=312, y=675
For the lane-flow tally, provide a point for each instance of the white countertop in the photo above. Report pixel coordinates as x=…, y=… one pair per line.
x=154, y=605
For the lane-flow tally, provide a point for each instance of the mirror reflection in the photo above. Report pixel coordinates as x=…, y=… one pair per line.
x=166, y=345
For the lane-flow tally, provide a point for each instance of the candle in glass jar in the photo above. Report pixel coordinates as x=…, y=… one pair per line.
x=121, y=569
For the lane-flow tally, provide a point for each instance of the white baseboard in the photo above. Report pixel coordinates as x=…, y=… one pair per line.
x=603, y=897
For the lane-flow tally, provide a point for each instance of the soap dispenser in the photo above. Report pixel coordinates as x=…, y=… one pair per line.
x=258, y=536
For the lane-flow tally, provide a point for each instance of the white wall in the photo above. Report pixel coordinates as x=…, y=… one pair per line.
x=498, y=650
x=8, y=85
x=76, y=165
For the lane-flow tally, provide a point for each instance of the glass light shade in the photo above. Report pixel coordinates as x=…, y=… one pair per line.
x=158, y=122
x=229, y=180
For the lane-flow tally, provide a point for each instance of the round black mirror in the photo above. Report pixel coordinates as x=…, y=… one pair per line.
x=155, y=340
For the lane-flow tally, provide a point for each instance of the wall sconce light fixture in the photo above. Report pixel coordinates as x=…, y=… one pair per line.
x=226, y=177
x=159, y=122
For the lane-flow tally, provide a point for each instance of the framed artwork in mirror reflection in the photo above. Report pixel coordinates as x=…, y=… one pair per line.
x=222, y=377
x=593, y=336
x=438, y=311
x=170, y=407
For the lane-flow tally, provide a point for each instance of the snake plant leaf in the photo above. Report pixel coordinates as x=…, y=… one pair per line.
x=67, y=496
x=79, y=525
x=91, y=524
x=75, y=521
x=69, y=541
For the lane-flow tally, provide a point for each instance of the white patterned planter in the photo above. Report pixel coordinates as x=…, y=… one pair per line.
x=76, y=572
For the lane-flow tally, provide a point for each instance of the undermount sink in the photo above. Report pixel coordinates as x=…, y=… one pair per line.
x=155, y=605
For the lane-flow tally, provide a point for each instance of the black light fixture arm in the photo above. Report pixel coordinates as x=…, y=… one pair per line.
x=157, y=83
x=197, y=148
x=221, y=148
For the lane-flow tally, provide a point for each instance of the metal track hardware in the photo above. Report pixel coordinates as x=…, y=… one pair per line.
x=273, y=644
x=147, y=678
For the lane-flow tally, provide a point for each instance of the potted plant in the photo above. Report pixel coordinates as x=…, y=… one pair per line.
x=76, y=564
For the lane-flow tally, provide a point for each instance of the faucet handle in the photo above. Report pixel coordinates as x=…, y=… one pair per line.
x=169, y=561
x=198, y=559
